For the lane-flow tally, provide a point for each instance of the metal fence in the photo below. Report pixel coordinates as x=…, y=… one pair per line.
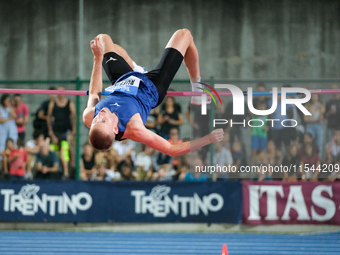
x=34, y=101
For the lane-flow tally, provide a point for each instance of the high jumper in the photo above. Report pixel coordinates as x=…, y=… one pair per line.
x=122, y=114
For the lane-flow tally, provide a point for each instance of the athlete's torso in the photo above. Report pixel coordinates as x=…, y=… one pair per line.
x=128, y=100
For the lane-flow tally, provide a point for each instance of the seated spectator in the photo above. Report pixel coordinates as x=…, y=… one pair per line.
x=315, y=121
x=332, y=114
x=238, y=155
x=5, y=156
x=32, y=148
x=170, y=116
x=333, y=147
x=334, y=173
x=126, y=172
x=110, y=156
x=17, y=159
x=164, y=173
x=263, y=173
x=332, y=155
x=181, y=173
x=274, y=159
x=62, y=148
x=47, y=163
x=124, y=149
x=307, y=139
x=222, y=158
x=309, y=164
x=162, y=159
x=226, y=140
x=144, y=161
x=103, y=174
x=292, y=162
x=194, y=175
x=174, y=139
x=87, y=163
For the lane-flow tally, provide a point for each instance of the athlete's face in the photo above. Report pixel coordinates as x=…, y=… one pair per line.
x=106, y=120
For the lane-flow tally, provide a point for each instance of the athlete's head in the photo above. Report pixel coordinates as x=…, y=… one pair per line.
x=103, y=130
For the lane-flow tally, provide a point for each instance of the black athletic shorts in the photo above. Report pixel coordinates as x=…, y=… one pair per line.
x=161, y=76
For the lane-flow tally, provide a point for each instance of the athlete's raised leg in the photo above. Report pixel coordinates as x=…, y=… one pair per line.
x=183, y=41
x=109, y=46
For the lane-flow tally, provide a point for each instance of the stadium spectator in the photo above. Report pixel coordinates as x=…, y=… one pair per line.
x=332, y=114
x=259, y=133
x=193, y=176
x=5, y=156
x=22, y=116
x=40, y=121
x=309, y=164
x=261, y=161
x=87, y=163
x=307, y=139
x=292, y=162
x=164, y=173
x=143, y=162
x=17, y=159
x=226, y=140
x=62, y=121
x=199, y=123
x=62, y=149
x=47, y=163
x=181, y=173
x=174, y=139
x=183, y=159
x=238, y=155
x=162, y=159
x=333, y=147
x=61, y=117
x=151, y=122
x=103, y=174
x=170, y=116
x=8, y=128
x=124, y=149
x=280, y=134
x=32, y=148
x=314, y=122
x=222, y=158
x=274, y=155
x=126, y=172
x=236, y=131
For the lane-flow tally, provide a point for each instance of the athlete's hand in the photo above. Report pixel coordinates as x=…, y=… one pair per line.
x=216, y=135
x=97, y=48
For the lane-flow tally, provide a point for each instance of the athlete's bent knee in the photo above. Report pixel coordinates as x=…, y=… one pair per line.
x=184, y=32
x=104, y=37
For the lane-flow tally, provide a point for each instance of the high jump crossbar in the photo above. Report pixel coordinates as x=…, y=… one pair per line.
x=169, y=93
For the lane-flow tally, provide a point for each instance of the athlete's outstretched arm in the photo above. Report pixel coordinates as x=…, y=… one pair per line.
x=96, y=82
x=143, y=135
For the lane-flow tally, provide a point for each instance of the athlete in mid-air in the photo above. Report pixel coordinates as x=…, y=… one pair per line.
x=123, y=113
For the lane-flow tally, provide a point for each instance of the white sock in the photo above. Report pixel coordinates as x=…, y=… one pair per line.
x=137, y=68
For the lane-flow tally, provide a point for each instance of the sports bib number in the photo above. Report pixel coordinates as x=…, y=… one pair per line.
x=129, y=85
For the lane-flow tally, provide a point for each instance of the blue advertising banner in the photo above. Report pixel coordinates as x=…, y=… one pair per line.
x=76, y=201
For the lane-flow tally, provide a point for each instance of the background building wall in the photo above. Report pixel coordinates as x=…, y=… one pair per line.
x=235, y=39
